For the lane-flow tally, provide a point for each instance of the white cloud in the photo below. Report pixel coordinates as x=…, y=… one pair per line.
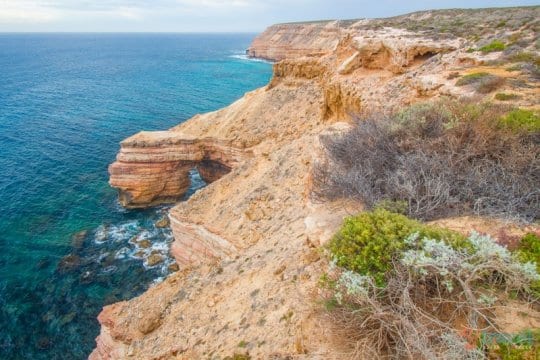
x=201, y=15
x=26, y=12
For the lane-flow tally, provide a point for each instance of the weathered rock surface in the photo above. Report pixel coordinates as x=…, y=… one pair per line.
x=247, y=242
x=289, y=41
x=153, y=167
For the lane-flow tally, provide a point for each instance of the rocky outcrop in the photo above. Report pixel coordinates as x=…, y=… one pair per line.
x=153, y=167
x=195, y=244
x=295, y=40
x=247, y=242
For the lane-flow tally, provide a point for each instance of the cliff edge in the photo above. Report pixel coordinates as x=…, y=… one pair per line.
x=247, y=243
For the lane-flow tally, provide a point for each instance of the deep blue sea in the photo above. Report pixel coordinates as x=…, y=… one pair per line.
x=66, y=101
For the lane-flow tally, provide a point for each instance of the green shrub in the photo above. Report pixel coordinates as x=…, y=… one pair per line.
x=516, y=67
x=368, y=242
x=525, y=56
x=495, y=45
x=472, y=78
x=483, y=82
x=521, y=119
x=524, y=345
x=506, y=97
x=238, y=357
x=398, y=286
x=529, y=250
x=394, y=206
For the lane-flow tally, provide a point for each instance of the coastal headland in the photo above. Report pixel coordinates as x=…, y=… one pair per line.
x=247, y=244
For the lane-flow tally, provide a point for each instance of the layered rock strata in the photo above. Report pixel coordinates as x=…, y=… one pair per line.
x=289, y=41
x=153, y=168
x=248, y=241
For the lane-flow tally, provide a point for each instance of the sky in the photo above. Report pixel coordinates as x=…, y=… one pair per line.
x=203, y=15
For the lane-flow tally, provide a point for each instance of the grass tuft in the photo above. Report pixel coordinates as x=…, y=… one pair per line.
x=495, y=45
x=521, y=120
x=506, y=97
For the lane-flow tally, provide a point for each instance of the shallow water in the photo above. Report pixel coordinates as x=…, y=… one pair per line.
x=66, y=100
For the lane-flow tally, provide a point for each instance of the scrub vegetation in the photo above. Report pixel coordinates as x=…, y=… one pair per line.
x=399, y=289
x=439, y=159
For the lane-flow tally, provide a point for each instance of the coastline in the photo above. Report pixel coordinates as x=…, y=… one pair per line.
x=248, y=242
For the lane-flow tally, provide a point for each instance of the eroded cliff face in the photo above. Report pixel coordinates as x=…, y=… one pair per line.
x=152, y=168
x=290, y=41
x=248, y=241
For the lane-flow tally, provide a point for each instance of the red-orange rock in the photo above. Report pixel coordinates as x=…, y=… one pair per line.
x=153, y=167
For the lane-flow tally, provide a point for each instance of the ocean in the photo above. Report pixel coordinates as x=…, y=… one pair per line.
x=66, y=101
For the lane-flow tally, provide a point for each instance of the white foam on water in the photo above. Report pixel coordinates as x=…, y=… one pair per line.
x=147, y=267
x=117, y=232
x=144, y=234
x=102, y=256
x=131, y=233
x=109, y=269
x=247, y=58
x=122, y=231
x=122, y=253
x=101, y=235
x=162, y=247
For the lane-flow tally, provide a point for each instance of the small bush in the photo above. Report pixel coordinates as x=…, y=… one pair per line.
x=529, y=248
x=516, y=67
x=489, y=84
x=398, y=207
x=506, y=97
x=521, y=119
x=529, y=251
x=495, y=45
x=525, y=56
x=443, y=159
x=472, y=78
x=432, y=279
x=521, y=346
x=368, y=242
x=482, y=82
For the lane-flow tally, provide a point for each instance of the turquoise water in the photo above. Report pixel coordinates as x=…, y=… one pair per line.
x=66, y=100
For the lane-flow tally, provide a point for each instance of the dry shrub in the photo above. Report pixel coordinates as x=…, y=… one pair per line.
x=436, y=304
x=489, y=84
x=482, y=82
x=444, y=159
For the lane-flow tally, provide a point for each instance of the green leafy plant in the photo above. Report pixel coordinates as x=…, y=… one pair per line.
x=367, y=243
x=482, y=82
x=495, y=45
x=521, y=346
x=525, y=56
x=391, y=276
x=395, y=206
x=515, y=67
x=238, y=357
x=506, y=97
x=521, y=119
x=472, y=78
x=529, y=250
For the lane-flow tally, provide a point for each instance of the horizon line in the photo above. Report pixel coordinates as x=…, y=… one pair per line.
x=129, y=32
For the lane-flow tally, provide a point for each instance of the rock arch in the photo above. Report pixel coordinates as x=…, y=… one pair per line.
x=153, y=167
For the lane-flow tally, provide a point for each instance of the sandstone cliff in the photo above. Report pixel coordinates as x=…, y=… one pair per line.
x=248, y=241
